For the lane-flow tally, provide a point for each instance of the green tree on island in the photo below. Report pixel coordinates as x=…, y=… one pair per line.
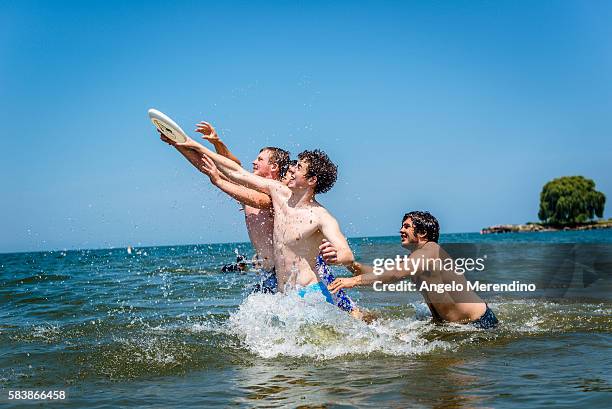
x=570, y=200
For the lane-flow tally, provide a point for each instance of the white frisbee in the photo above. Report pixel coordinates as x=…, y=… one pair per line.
x=167, y=126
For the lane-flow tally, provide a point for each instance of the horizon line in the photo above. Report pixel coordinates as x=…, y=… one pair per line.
x=182, y=245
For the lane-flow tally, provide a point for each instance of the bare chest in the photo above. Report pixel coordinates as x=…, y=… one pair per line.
x=295, y=226
x=259, y=221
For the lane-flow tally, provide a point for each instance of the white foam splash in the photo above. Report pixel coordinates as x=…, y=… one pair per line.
x=149, y=350
x=205, y=327
x=288, y=325
x=47, y=332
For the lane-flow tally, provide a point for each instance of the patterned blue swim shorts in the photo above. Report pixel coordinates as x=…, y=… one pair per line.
x=341, y=299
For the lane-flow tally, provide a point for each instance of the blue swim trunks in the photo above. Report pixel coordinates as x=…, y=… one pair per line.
x=317, y=287
x=341, y=299
x=268, y=284
x=488, y=320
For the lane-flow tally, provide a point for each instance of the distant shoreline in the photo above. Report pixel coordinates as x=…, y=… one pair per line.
x=538, y=227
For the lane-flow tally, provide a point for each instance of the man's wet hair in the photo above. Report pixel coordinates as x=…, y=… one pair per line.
x=424, y=223
x=278, y=157
x=322, y=167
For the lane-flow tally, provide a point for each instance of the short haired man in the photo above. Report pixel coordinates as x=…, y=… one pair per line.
x=300, y=222
x=271, y=163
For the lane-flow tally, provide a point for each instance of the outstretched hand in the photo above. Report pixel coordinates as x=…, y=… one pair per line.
x=189, y=144
x=328, y=252
x=343, y=282
x=165, y=139
x=208, y=167
x=208, y=132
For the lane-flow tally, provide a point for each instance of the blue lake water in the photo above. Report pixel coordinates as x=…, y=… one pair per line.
x=163, y=327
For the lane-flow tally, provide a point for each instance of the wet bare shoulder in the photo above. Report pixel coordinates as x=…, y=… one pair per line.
x=430, y=250
x=277, y=189
x=321, y=212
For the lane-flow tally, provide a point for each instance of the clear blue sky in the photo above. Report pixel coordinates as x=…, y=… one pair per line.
x=463, y=108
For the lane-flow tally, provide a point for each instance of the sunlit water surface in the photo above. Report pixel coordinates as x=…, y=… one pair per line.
x=163, y=327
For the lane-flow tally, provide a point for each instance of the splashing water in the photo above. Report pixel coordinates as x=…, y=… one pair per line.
x=286, y=324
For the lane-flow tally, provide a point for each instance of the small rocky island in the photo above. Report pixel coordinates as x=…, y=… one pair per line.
x=531, y=227
x=566, y=203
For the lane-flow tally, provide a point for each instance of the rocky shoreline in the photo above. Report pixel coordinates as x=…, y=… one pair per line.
x=536, y=227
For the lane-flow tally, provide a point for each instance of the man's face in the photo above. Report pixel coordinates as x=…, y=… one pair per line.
x=298, y=178
x=407, y=234
x=288, y=175
x=261, y=164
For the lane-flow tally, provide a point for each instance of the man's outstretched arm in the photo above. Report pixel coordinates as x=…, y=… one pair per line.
x=232, y=170
x=210, y=134
x=192, y=156
x=364, y=274
x=243, y=194
x=368, y=277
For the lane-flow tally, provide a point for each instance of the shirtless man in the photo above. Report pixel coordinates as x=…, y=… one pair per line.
x=271, y=163
x=300, y=222
x=342, y=300
x=420, y=232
